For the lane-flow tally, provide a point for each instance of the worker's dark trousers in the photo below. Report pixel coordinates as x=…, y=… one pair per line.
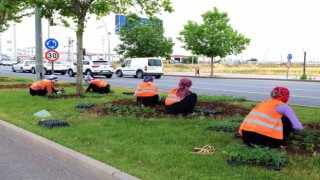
x=183, y=107
x=251, y=138
x=38, y=92
x=148, y=101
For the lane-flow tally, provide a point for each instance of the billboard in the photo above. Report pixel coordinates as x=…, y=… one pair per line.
x=119, y=22
x=120, y=19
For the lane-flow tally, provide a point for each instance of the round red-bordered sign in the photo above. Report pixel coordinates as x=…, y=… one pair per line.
x=52, y=55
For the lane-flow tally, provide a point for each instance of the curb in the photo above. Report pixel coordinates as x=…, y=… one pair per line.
x=81, y=164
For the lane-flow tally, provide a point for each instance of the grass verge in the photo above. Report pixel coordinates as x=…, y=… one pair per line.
x=147, y=148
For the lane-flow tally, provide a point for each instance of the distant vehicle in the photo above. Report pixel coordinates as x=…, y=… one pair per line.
x=25, y=66
x=58, y=67
x=174, y=62
x=139, y=67
x=93, y=68
x=8, y=62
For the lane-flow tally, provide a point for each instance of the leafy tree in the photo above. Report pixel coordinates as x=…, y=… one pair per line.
x=143, y=39
x=79, y=11
x=215, y=37
x=12, y=10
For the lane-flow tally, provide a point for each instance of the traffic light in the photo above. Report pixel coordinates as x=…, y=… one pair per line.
x=84, y=51
x=51, y=22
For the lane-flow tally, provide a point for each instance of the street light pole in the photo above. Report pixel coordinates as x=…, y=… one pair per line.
x=108, y=37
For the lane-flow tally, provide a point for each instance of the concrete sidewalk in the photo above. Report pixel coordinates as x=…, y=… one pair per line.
x=241, y=76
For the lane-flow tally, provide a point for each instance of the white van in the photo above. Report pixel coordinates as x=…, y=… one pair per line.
x=139, y=67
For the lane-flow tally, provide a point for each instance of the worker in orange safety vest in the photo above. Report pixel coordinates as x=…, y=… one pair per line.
x=270, y=122
x=181, y=100
x=43, y=87
x=97, y=85
x=147, y=92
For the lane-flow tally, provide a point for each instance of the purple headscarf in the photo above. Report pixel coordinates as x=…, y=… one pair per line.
x=184, y=86
x=148, y=79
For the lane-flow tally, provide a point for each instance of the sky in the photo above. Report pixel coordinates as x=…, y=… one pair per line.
x=275, y=27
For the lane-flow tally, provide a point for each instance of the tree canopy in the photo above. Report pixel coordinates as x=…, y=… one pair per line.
x=215, y=37
x=79, y=11
x=143, y=38
x=12, y=10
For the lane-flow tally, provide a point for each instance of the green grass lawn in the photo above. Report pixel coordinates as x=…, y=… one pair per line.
x=147, y=148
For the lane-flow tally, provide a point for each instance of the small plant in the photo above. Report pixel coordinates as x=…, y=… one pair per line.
x=306, y=140
x=303, y=77
x=226, y=126
x=256, y=155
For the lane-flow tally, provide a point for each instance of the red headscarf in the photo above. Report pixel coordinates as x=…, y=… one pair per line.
x=280, y=93
x=184, y=86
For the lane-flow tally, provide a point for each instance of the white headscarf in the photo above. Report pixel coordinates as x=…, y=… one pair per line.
x=87, y=79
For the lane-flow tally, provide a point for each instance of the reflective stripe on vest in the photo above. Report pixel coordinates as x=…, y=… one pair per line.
x=172, y=97
x=263, y=119
x=146, y=90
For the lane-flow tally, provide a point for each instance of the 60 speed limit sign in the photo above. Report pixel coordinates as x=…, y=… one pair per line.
x=52, y=55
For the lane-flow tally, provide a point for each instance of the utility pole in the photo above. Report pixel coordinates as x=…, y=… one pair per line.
x=38, y=39
x=304, y=63
x=14, y=43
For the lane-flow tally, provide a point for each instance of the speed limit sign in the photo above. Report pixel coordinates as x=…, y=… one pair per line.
x=52, y=55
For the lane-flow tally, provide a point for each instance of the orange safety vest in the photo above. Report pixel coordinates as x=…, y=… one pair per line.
x=172, y=97
x=146, y=89
x=264, y=119
x=41, y=85
x=99, y=83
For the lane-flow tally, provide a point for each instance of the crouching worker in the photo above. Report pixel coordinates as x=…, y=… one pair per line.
x=270, y=122
x=97, y=85
x=181, y=100
x=147, y=92
x=45, y=86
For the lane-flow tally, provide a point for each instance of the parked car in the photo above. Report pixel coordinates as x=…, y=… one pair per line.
x=25, y=66
x=7, y=62
x=93, y=68
x=139, y=67
x=58, y=67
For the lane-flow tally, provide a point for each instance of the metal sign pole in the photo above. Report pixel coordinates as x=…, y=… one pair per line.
x=52, y=68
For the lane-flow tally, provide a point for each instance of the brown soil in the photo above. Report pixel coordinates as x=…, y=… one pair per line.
x=227, y=110
x=25, y=86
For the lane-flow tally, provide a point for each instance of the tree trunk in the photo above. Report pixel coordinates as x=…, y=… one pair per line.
x=212, y=65
x=79, y=90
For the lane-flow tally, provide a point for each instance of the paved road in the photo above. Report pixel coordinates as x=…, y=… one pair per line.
x=18, y=162
x=302, y=93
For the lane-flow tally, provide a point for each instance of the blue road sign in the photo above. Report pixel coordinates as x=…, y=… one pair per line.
x=289, y=57
x=51, y=44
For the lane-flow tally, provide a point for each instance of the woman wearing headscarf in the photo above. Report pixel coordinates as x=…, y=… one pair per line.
x=270, y=122
x=97, y=85
x=181, y=100
x=147, y=92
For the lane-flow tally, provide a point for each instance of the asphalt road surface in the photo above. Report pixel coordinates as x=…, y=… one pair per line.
x=302, y=93
x=20, y=162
